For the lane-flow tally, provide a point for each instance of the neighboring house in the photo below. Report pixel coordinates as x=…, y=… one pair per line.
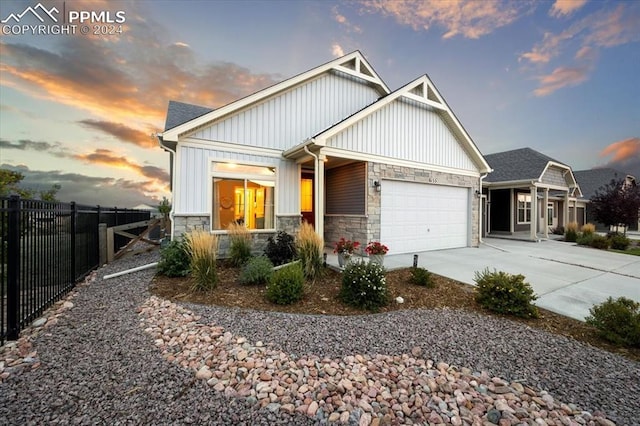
x=591, y=181
x=528, y=192
x=335, y=147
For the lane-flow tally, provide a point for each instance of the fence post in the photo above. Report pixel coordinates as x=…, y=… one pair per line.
x=13, y=269
x=102, y=243
x=74, y=231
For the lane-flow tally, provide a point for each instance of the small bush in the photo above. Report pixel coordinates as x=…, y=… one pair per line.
x=619, y=241
x=309, y=247
x=203, y=248
x=618, y=321
x=286, y=285
x=257, y=271
x=571, y=232
x=240, y=244
x=422, y=277
x=585, y=240
x=558, y=230
x=364, y=285
x=599, y=242
x=505, y=293
x=281, y=249
x=174, y=260
x=588, y=228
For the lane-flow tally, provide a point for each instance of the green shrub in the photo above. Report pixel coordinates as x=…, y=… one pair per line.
x=585, y=240
x=505, y=293
x=281, y=249
x=422, y=277
x=599, y=242
x=257, y=271
x=571, y=232
x=619, y=241
x=286, y=285
x=174, y=260
x=618, y=321
x=240, y=244
x=364, y=285
x=203, y=247
x=309, y=247
x=558, y=230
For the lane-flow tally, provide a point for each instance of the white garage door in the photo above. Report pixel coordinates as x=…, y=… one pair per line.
x=418, y=217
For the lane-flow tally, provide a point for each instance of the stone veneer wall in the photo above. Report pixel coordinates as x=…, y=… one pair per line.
x=185, y=224
x=352, y=228
x=377, y=171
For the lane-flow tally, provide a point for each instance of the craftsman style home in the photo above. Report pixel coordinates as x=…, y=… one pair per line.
x=530, y=193
x=335, y=147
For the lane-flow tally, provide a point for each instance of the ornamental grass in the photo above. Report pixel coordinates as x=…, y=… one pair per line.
x=309, y=247
x=239, y=243
x=203, y=250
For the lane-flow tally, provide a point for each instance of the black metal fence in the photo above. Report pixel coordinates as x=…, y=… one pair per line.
x=45, y=249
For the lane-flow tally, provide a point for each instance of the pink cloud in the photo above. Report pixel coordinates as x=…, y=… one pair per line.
x=565, y=7
x=559, y=78
x=472, y=19
x=622, y=151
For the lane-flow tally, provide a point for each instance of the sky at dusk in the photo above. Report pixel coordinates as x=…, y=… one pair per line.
x=561, y=77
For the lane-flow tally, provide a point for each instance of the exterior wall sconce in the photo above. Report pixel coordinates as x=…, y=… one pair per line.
x=377, y=186
x=478, y=194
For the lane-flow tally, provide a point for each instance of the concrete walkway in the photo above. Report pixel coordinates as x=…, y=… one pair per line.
x=567, y=278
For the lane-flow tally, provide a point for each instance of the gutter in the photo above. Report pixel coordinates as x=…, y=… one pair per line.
x=172, y=153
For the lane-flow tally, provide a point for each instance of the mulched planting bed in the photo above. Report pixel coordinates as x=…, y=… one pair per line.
x=321, y=298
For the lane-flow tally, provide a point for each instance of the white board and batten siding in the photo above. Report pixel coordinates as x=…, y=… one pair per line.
x=407, y=130
x=289, y=118
x=416, y=217
x=192, y=194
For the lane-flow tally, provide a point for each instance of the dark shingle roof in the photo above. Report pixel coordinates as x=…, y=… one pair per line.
x=591, y=180
x=179, y=113
x=518, y=164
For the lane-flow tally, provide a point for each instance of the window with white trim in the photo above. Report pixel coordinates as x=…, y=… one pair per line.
x=242, y=194
x=524, y=208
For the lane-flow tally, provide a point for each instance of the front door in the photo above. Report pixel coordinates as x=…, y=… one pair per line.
x=307, y=204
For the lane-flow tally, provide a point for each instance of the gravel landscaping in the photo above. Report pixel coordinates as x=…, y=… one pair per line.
x=112, y=354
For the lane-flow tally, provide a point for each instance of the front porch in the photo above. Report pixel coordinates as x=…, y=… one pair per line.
x=524, y=236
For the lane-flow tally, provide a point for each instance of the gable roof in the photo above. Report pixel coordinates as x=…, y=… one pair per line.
x=179, y=113
x=421, y=90
x=524, y=164
x=353, y=64
x=592, y=180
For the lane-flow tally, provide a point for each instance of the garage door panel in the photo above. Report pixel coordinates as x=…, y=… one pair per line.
x=419, y=217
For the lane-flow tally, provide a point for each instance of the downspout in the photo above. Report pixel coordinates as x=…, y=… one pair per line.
x=173, y=176
x=480, y=223
x=316, y=189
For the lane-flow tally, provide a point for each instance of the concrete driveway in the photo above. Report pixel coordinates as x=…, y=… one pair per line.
x=568, y=279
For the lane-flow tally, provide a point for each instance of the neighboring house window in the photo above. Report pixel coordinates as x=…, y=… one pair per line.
x=550, y=213
x=524, y=208
x=243, y=194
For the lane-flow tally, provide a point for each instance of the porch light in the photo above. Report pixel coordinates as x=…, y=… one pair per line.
x=377, y=186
